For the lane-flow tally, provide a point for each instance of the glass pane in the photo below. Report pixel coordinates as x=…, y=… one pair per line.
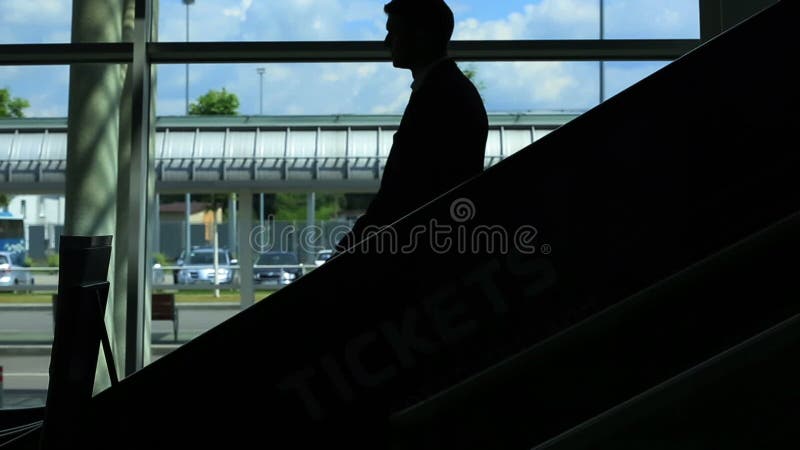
x=326, y=20
x=42, y=90
x=35, y=22
x=371, y=88
x=622, y=74
x=652, y=19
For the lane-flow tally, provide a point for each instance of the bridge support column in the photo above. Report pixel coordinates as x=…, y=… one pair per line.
x=232, y=242
x=187, y=246
x=309, y=236
x=245, y=225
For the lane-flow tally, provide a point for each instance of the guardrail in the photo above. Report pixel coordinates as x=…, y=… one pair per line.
x=52, y=286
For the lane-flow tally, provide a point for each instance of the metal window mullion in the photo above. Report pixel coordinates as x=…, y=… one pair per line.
x=62, y=54
x=137, y=283
x=374, y=51
x=710, y=19
x=369, y=51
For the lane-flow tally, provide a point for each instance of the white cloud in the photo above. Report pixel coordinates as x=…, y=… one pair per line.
x=652, y=19
x=545, y=85
x=34, y=12
x=551, y=19
x=351, y=87
x=239, y=12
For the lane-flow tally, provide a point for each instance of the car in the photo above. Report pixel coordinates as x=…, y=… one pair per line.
x=158, y=273
x=12, y=269
x=282, y=268
x=322, y=256
x=198, y=266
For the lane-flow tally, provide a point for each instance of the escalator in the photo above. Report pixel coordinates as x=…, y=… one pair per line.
x=633, y=228
x=642, y=358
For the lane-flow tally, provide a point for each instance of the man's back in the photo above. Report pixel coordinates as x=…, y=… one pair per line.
x=440, y=143
x=442, y=136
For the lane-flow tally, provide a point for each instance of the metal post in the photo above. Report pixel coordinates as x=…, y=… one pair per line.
x=261, y=71
x=188, y=224
x=140, y=190
x=157, y=224
x=187, y=3
x=311, y=219
x=261, y=212
x=216, y=249
x=247, y=295
x=232, y=223
x=602, y=63
x=710, y=18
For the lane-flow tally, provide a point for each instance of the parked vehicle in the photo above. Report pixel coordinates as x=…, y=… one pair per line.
x=12, y=233
x=12, y=269
x=158, y=273
x=322, y=256
x=198, y=266
x=279, y=268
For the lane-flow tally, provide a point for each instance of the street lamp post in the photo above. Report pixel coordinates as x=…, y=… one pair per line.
x=261, y=71
x=188, y=197
x=187, y=3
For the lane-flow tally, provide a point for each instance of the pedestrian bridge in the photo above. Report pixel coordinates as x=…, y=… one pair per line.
x=264, y=153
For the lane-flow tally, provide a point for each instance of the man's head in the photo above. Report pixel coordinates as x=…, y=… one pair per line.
x=417, y=31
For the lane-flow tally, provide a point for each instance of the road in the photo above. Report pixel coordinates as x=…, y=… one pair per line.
x=26, y=335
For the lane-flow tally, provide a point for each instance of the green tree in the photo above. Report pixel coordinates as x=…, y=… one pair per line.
x=215, y=103
x=11, y=107
x=472, y=73
x=292, y=205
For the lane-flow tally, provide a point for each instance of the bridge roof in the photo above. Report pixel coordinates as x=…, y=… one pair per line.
x=267, y=153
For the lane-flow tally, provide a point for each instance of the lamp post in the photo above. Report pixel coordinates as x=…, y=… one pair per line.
x=188, y=197
x=261, y=71
x=187, y=3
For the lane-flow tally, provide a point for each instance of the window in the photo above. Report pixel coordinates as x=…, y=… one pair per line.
x=542, y=78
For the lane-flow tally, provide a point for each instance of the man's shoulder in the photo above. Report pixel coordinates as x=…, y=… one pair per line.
x=447, y=80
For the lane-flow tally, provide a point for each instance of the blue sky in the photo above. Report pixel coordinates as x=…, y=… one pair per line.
x=355, y=88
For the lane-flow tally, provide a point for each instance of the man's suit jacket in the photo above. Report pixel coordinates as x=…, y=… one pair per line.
x=440, y=142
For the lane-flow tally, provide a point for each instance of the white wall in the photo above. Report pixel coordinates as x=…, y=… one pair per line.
x=47, y=210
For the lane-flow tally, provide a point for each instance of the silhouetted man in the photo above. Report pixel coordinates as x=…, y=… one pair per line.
x=442, y=135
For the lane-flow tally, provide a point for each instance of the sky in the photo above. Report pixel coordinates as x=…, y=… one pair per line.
x=359, y=88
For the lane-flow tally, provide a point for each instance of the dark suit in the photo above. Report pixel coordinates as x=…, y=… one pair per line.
x=440, y=143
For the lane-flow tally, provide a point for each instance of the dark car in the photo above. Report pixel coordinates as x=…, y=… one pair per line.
x=279, y=268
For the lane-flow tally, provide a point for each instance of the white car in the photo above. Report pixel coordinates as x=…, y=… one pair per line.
x=199, y=266
x=322, y=256
x=12, y=270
